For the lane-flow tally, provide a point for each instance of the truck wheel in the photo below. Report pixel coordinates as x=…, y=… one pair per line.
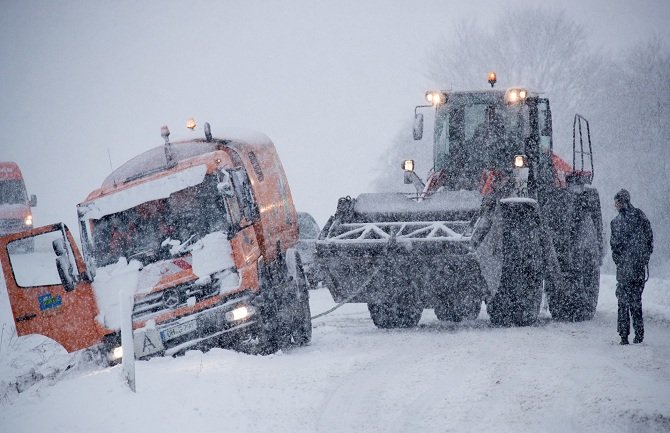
x=519, y=297
x=580, y=299
x=402, y=312
x=301, y=328
x=267, y=332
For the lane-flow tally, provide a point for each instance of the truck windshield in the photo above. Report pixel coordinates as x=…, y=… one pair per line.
x=473, y=134
x=139, y=232
x=13, y=192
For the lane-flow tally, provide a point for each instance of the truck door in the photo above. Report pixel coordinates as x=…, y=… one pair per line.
x=48, y=289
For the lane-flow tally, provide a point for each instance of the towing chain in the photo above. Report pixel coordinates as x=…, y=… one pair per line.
x=353, y=295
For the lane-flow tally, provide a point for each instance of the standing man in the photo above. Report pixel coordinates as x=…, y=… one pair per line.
x=632, y=243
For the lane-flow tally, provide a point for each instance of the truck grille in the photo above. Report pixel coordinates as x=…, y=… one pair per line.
x=164, y=301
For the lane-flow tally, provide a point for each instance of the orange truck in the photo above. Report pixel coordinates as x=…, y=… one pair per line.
x=200, y=232
x=15, y=203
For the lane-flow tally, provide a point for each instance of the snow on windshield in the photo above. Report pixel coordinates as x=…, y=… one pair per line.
x=13, y=192
x=143, y=192
x=211, y=254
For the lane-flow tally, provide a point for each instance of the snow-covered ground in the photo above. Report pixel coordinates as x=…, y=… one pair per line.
x=439, y=377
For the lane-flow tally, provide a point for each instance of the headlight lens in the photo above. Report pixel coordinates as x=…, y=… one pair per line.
x=408, y=165
x=435, y=97
x=29, y=220
x=514, y=96
x=116, y=353
x=239, y=313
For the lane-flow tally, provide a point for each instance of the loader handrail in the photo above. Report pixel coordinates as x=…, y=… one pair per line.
x=577, y=125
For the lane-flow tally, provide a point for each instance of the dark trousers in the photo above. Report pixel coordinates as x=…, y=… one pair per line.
x=629, y=295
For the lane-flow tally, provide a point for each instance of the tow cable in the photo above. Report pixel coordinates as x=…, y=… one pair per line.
x=352, y=296
x=391, y=244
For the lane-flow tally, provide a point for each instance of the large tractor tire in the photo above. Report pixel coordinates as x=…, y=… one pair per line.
x=519, y=297
x=402, y=311
x=578, y=300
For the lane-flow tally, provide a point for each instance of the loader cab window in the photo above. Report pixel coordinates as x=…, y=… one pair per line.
x=474, y=134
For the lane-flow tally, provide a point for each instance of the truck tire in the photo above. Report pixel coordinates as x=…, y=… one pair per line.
x=267, y=333
x=301, y=326
x=519, y=297
x=402, y=312
x=580, y=299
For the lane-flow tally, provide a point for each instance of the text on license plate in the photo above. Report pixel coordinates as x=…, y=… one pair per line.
x=178, y=330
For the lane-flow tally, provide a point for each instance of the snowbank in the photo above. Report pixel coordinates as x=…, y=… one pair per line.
x=439, y=377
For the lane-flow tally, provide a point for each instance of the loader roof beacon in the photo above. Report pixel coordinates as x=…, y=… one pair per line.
x=499, y=215
x=202, y=231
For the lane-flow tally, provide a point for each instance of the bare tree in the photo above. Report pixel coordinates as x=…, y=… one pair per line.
x=631, y=106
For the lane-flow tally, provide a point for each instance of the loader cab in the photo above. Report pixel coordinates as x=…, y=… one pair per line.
x=480, y=132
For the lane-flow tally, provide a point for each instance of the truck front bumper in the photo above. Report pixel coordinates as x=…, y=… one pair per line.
x=232, y=320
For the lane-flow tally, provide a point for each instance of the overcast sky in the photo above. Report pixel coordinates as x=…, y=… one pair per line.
x=329, y=82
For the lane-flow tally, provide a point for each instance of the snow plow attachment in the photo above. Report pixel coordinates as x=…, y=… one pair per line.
x=400, y=255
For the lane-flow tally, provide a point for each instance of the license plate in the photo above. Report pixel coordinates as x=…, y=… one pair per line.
x=179, y=330
x=147, y=342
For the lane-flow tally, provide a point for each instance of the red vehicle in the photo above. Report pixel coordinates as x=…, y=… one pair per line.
x=15, y=203
x=201, y=232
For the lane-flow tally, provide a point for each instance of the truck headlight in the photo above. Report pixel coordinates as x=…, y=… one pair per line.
x=116, y=353
x=408, y=165
x=240, y=313
x=28, y=221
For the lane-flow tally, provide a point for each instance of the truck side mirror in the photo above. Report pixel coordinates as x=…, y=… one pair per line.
x=33, y=200
x=64, y=266
x=418, y=126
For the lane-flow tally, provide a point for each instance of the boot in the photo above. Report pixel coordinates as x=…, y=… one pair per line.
x=638, y=339
x=624, y=341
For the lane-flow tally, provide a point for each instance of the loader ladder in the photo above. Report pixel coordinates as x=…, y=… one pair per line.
x=585, y=157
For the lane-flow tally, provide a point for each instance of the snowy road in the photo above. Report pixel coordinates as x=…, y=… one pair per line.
x=440, y=377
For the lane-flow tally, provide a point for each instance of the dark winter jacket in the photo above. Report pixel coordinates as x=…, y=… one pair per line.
x=632, y=243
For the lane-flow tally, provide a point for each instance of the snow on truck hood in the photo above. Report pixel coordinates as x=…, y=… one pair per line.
x=143, y=192
x=209, y=255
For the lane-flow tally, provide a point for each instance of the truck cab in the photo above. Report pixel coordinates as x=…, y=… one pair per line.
x=201, y=233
